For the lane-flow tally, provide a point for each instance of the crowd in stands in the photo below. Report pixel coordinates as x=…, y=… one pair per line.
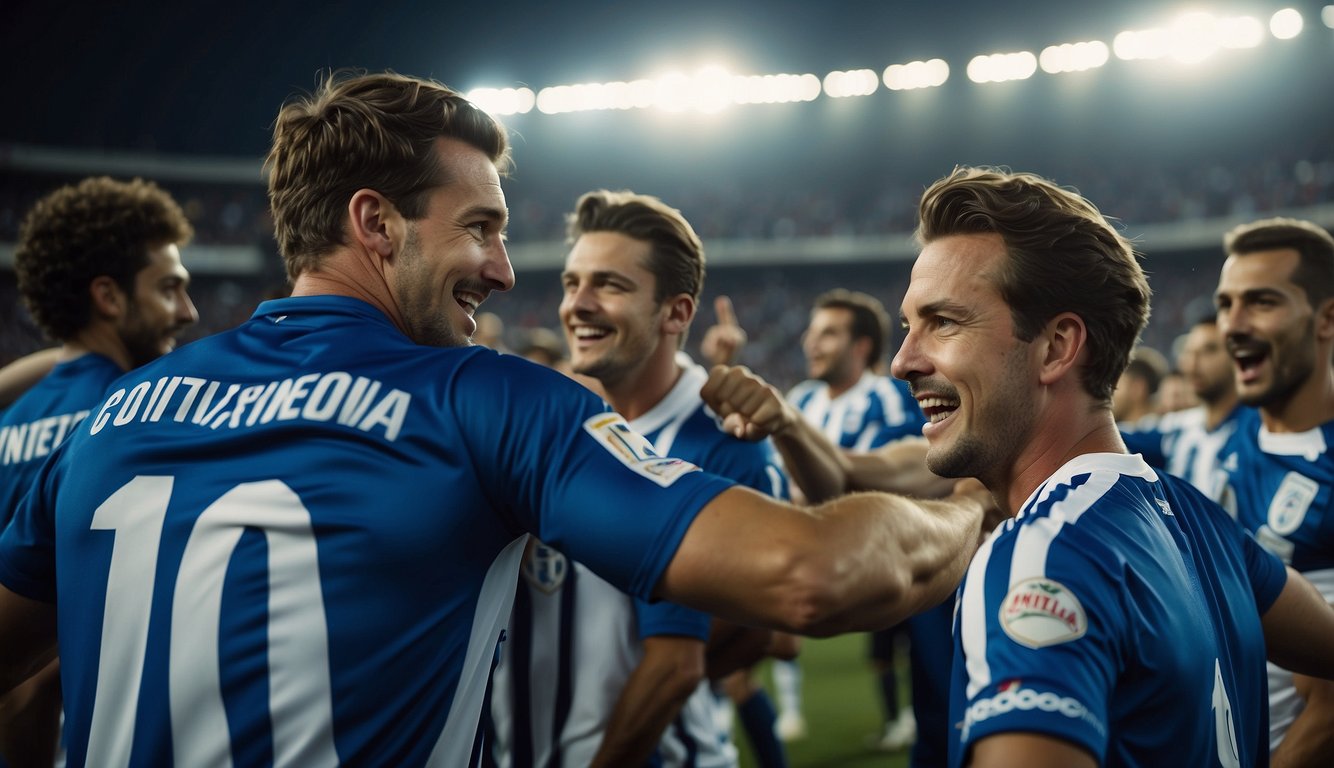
x=770, y=301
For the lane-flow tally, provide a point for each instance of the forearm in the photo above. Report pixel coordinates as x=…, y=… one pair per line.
x=818, y=467
x=28, y=637
x=899, y=467
x=1298, y=627
x=651, y=699
x=1309, y=741
x=19, y=376
x=860, y=562
x=733, y=647
x=30, y=719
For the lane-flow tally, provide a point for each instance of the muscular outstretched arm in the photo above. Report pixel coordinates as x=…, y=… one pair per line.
x=860, y=562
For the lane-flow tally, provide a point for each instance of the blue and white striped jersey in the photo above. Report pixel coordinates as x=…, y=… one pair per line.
x=575, y=639
x=1181, y=443
x=1119, y=610
x=297, y=542
x=1281, y=488
x=39, y=421
x=874, y=411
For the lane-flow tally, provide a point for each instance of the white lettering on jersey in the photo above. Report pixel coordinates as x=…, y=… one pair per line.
x=1291, y=500
x=1039, y=612
x=1013, y=696
x=336, y=397
x=25, y=442
x=1224, y=730
x=613, y=434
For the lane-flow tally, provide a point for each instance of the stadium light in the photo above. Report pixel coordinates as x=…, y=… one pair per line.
x=1192, y=38
x=1286, y=24
x=916, y=74
x=1073, y=57
x=503, y=101
x=1327, y=16
x=856, y=82
x=1000, y=67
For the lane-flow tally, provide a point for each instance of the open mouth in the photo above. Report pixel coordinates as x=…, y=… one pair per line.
x=590, y=333
x=1249, y=360
x=937, y=409
x=469, y=301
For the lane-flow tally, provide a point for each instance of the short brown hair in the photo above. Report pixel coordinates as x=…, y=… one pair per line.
x=83, y=231
x=1063, y=256
x=363, y=131
x=869, y=318
x=1314, y=246
x=677, y=263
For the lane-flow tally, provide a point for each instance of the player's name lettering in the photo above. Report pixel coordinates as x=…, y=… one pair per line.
x=25, y=442
x=1027, y=699
x=339, y=397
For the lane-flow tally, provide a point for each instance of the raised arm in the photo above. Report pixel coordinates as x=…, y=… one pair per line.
x=723, y=340
x=860, y=562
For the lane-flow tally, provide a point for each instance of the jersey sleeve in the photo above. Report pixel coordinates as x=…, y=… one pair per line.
x=1038, y=648
x=27, y=544
x=560, y=465
x=663, y=618
x=1266, y=571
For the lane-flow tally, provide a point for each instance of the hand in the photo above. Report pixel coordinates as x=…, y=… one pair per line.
x=750, y=407
x=723, y=342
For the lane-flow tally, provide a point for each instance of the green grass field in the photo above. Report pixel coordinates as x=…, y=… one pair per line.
x=842, y=709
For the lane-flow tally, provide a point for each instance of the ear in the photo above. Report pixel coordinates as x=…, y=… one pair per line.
x=680, y=311
x=375, y=222
x=1324, y=320
x=109, y=301
x=1060, y=347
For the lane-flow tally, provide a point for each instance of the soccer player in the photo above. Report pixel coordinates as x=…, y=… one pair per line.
x=99, y=269
x=1275, y=302
x=297, y=542
x=1188, y=443
x=858, y=410
x=636, y=689
x=1135, y=399
x=1116, y=620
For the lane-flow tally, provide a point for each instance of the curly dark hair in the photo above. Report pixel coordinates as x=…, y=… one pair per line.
x=83, y=231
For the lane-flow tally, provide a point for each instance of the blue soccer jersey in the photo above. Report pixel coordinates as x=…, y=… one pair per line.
x=297, y=542
x=1182, y=444
x=874, y=411
x=39, y=421
x=1119, y=610
x=1281, y=488
x=575, y=639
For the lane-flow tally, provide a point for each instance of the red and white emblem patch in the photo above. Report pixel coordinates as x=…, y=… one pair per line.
x=1039, y=612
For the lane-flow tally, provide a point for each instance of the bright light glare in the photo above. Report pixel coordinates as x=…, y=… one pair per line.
x=1327, y=16
x=709, y=90
x=916, y=74
x=1192, y=38
x=1000, y=67
x=503, y=101
x=857, y=82
x=1285, y=24
x=1073, y=57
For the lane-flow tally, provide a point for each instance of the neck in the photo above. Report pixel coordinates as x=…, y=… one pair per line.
x=635, y=394
x=346, y=273
x=838, y=388
x=1217, y=410
x=99, y=337
x=1053, y=444
x=1309, y=407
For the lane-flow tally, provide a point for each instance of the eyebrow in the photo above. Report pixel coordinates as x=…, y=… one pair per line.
x=602, y=274
x=935, y=308
x=486, y=211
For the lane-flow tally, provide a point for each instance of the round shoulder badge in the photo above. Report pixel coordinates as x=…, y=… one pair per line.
x=1039, y=612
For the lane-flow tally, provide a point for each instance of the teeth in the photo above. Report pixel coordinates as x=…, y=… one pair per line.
x=938, y=416
x=585, y=332
x=469, y=302
x=937, y=402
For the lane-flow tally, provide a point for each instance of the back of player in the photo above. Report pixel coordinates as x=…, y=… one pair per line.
x=352, y=513
x=1119, y=603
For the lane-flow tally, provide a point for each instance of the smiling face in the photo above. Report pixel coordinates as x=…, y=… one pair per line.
x=969, y=372
x=832, y=355
x=611, y=319
x=159, y=309
x=454, y=257
x=1268, y=325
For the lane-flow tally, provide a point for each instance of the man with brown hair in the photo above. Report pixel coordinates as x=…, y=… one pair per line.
x=298, y=541
x=99, y=268
x=1275, y=302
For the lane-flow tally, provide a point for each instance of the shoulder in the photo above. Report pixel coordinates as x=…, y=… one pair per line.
x=804, y=391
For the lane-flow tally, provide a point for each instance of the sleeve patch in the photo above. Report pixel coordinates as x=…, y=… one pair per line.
x=636, y=453
x=1039, y=612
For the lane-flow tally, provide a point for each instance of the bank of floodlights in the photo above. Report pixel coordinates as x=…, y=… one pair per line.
x=1191, y=39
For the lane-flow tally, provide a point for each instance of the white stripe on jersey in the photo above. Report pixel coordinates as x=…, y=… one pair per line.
x=494, y=604
x=1031, y=544
x=1284, y=703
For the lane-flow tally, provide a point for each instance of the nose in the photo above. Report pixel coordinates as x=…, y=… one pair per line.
x=498, y=270
x=186, y=314
x=578, y=297
x=909, y=360
x=1232, y=320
